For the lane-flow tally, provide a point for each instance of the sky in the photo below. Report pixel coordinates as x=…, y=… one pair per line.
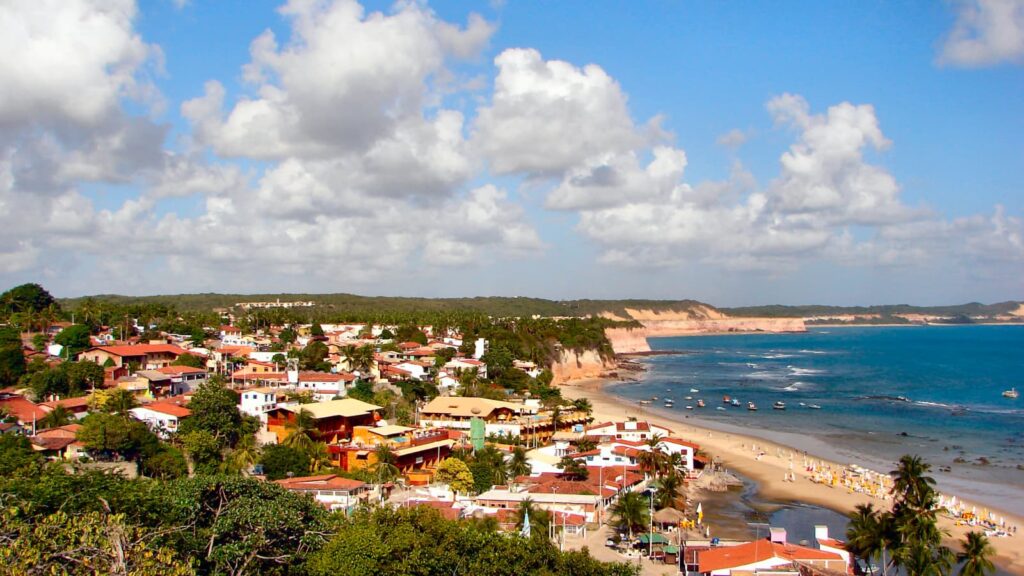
x=738, y=153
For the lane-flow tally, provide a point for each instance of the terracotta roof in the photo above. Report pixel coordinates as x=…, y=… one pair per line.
x=322, y=482
x=24, y=410
x=168, y=408
x=181, y=370
x=66, y=431
x=725, y=557
x=68, y=403
x=681, y=443
x=51, y=443
x=832, y=543
x=141, y=349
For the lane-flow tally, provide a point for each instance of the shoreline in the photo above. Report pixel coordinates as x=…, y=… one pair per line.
x=735, y=450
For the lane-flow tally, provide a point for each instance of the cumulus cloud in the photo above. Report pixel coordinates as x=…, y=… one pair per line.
x=547, y=116
x=733, y=138
x=986, y=33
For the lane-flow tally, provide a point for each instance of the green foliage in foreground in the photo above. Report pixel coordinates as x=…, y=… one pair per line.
x=90, y=522
x=419, y=542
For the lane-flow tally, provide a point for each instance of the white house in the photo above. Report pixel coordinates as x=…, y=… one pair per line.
x=459, y=365
x=162, y=418
x=258, y=401
x=629, y=430
x=416, y=370
x=334, y=492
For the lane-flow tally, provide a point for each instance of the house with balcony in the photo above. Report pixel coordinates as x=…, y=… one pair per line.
x=415, y=449
x=335, y=419
x=526, y=420
x=163, y=418
x=145, y=356
x=330, y=490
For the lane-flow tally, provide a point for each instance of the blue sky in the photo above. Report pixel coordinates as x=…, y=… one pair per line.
x=736, y=153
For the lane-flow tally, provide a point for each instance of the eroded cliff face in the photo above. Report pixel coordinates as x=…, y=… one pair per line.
x=696, y=320
x=573, y=366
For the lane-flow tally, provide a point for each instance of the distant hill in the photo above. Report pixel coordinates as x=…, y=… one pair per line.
x=355, y=305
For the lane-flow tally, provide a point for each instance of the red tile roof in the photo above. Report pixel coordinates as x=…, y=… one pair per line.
x=180, y=370
x=141, y=349
x=169, y=408
x=322, y=482
x=725, y=557
x=69, y=403
x=24, y=410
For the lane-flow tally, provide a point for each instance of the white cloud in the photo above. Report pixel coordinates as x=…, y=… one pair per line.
x=733, y=138
x=986, y=33
x=547, y=116
x=618, y=179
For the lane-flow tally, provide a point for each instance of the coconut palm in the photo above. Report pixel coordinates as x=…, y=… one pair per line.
x=245, y=454
x=585, y=444
x=301, y=431
x=668, y=490
x=976, y=556
x=386, y=467
x=863, y=538
x=911, y=486
x=518, y=464
x=583, y=405
x=653, y=461
x=319, y=457
x=631, y=512
x=540, y=519
x=59, y=416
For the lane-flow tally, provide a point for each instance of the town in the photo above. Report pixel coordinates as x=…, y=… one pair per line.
x=365, y=415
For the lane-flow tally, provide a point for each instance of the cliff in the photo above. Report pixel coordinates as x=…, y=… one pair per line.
x=573, y=366
x=700, y=319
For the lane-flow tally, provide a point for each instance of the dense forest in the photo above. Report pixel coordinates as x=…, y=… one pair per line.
x=888, y=310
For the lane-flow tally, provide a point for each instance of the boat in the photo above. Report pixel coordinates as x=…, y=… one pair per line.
x=694, y=390
x=700, y=403
x=688, y=407
x=722, y=408
x=814, y=407
x=735, y=402
x=645, y=401
x=1011, y=393
x=751, y=406
x=803, y=404
x=654, y=397
x=779, y=405
x=689, y=397
x=725, y=399
x=668, y=403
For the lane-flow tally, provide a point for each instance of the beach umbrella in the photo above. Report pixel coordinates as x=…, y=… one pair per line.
x=700, y=513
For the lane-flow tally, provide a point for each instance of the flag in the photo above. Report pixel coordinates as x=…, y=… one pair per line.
x=700, y=514
x=525, y=531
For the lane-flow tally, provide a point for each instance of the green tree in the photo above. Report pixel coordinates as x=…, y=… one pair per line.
x=108, y=434
x=27, y=298
x=59, y=416
x=83, y=376
x=314, y=357
x=16, y=454
x=113, y=401
x=287, y=336
x=280, y=461
x=583, y=405
x=39, y=341
x=455, y=473
x=302, y=431
x=166, y=464
x=573, y=469
x=976, y=555
x=668, y=493
x=203, y=449
x=864, y=537
x=518, y=464
x=215, y=410
x=540, y=519
x=631, y=512
x=190, y=360
x=316, y=330
x=74, y=338
x=12, y=361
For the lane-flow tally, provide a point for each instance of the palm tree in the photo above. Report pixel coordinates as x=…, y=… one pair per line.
x=668, y=490
x=977, y=555
x=518, y=465
x=911, y=487
x=245, y=454
x=585, y=444
x=301, y=431
x=583, y=405
x=631, y=512
x=540, y=519
x=319, y=456
x=59, y=416
x=653, y=461
x=862, y=534
x=386, y=466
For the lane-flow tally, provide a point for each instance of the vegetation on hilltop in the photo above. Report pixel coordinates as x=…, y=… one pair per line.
x=888, y=310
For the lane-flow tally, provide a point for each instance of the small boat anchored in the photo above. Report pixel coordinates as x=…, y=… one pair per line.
x=780, y=405
x=735, y=402
x=725, y=399
x=751, y=406
x=694, y=390
x=1011, y=393
x=814, y=407
x=700, y=403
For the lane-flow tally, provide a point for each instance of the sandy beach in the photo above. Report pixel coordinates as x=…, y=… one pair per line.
x=771, y=462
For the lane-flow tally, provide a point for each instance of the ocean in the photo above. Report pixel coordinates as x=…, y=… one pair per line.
x=935, y=391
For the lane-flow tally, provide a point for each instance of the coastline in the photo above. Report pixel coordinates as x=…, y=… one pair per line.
x=736, y=451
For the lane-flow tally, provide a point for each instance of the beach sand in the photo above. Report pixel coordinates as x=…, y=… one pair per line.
x=735, y=451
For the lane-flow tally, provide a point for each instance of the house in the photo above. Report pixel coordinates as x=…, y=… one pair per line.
x=457, y=366
x=523, y=419
x=184, y=379
x=330, y=490
x=629, y=430
x=566, y=497
x=163, y=418
x=323, y=385
x=335, y=419
x=415, y=449
x=765, y=555
x=59, y=443
x=25, y=412
x=415, y=369
x=832, y=545
x=258, y=401
x=78, y=407
x=146, y=356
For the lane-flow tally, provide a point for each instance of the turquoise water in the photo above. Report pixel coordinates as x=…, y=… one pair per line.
x=883, y=392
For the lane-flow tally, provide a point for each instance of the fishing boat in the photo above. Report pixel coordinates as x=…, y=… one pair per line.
x=751, y=406
x=694, y=390
x=735, y=402
x=814, y=407
x=779, y=405
x=1011, y=393
x=700, y=403
x=688, y=407
x=725, y=399
x=669, y=404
